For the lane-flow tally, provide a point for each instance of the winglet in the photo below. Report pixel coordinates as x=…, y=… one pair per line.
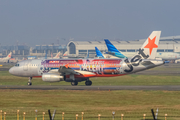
x=9, y=55
x=57, y=55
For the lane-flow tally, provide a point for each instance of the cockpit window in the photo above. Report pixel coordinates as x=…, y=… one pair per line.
x=17, y=65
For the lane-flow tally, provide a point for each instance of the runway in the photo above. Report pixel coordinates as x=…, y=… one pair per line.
x=167, y=88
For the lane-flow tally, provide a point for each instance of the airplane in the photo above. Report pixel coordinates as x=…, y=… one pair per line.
x=6, y=59
x=77, y=70
x=113, y=52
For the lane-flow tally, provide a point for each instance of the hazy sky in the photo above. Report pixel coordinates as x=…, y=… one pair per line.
x=34, y=22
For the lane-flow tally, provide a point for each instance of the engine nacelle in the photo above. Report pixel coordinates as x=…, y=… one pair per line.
x=51, y=77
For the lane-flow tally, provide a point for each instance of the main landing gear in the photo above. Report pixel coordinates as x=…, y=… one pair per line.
x=29, y=81
x=88, y=83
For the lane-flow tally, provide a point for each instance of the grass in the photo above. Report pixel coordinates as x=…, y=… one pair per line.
x=133, y=104
x=130, y=103
x=133, y=79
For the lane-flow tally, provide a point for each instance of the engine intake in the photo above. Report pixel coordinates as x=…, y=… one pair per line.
x=51, y=77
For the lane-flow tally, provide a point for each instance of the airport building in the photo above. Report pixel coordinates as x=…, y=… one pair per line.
x=41, y=50
x=16, y=49
x=81, y=48
x=23, y=51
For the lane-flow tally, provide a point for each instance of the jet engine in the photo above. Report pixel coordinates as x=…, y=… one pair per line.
x=51, y=77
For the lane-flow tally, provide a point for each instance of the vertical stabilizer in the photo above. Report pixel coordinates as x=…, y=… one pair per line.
x=65, y=54
x=149, y=48
x=87, y=55
x=57, y=55
x=110, y=46
x=9, y=55
x=98, y=53
x=113, y=50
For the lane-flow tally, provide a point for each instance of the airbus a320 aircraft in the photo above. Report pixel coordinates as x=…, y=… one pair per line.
x=6, y=59
x=77, y=70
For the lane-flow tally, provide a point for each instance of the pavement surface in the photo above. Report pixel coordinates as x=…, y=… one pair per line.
x=167, y=69
x=167, y=88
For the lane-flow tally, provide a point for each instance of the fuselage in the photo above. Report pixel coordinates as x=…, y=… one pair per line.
x=4, y=60
x=100, y=67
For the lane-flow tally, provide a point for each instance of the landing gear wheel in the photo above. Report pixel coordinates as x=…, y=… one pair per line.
x=88, y=83
x=29, y=83
x=74, y=83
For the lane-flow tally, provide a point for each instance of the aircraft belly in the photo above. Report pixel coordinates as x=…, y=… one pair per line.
x=139, y=68
x=33, y=71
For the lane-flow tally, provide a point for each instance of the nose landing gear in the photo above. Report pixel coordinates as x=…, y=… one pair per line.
x=29, y=81
x=74, y=83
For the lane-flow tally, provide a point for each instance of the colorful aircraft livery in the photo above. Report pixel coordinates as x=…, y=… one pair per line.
x=98, y=66
x=151, y=44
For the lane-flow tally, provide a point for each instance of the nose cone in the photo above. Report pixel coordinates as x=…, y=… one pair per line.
x=11, y=70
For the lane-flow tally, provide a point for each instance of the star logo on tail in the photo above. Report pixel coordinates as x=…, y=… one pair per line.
x=151, y=44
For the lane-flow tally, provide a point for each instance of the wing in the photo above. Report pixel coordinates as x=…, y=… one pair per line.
x=68, y=71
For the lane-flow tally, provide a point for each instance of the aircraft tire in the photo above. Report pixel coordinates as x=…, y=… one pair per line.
x=74, y=83
x=88, y=83
x=29, y=83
